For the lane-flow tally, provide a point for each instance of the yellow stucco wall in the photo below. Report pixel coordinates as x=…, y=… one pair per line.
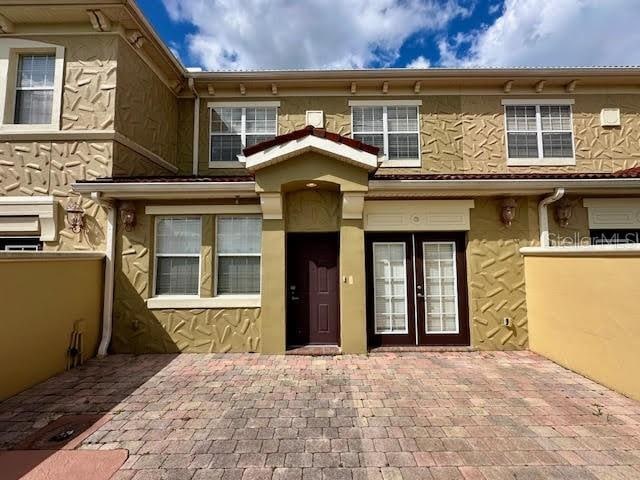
x=465, y=133
x=36, y=332
x=583, y=314
x=146, y=110
x=496, y=273
x=138, y=329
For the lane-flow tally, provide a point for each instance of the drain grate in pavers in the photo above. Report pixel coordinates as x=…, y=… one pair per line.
x=65, y=433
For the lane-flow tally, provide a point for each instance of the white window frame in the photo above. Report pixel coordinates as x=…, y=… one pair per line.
x=217, y=255
x=540, y=160
x=191, y=255
x=455, y=285
x=10, y=51
x=406, y=291
x=385, y=162
x=240, y=163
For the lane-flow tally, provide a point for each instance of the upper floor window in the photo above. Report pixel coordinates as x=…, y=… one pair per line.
x=539, y=133
x=393, y=127
x=237, y=126
x=31, y=93
x=34, y=88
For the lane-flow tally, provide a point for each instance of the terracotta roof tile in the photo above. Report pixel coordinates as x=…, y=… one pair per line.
x=629, y=173
x=305, y=132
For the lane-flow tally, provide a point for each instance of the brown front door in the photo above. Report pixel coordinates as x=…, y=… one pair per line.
x=417, y=289
x=312, y=289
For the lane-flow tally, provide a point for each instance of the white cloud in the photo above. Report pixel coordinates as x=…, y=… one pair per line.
x=419, y=62
x=251, y=34
x=552, y=33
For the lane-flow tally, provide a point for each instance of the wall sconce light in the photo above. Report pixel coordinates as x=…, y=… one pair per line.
x=564, y=211
x=128, y=215
x=508, y=212
x=75, y=216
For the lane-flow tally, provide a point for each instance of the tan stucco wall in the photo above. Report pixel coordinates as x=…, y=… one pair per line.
x=138, y=329
x=496, y=273
x=583, y=314
x=41, y=301
x=465, y=133
x=312, y=210
x=146, y=110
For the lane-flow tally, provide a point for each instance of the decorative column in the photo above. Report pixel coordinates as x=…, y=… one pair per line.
x=353, y=321
x=273, y=296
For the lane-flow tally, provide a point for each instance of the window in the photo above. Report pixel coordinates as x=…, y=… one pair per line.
x=34, y=89
x=615, y=236
x=234, y=128
x=539, y=134
x=20, y=244
x=178, y=241
x=31, y=90
x=394, y=129
x=238, y=244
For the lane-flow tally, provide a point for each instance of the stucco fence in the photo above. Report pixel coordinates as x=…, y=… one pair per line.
x=45, y=298
x=584, y=311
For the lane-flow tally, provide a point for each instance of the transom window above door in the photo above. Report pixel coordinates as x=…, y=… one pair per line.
x=539, y=133
x=234, y=127
x=392, y=127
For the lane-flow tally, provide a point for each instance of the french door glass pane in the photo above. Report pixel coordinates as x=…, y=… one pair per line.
x=441, y=295
x=390, y=288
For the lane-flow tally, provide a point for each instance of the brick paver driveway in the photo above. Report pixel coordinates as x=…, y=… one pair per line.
x=413, y=415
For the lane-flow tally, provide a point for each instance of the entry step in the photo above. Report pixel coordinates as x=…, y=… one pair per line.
x=419, y=348
x=314, y=350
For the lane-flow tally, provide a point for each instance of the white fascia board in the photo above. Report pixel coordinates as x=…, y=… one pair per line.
x=384, y=103
x=278, y=153
x=143, y=190
x=524, y=185
x=538, y=101
x=273, y=103
x=627, y=249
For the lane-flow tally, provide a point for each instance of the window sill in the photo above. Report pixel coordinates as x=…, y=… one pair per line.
x=541, y=162
x=29, y=128
x=400, y=163
x=188, y=302
x=226, y=165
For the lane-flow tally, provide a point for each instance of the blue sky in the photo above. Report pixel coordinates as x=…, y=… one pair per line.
x=259, y=34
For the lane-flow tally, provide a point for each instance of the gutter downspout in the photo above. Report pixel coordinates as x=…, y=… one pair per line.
x=543, y=215
x=107, y=304
x=196, y=125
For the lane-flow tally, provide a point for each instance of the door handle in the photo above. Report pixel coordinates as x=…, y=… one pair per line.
x=419, y=295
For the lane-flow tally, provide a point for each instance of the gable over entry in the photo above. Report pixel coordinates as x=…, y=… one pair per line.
x=311, y=139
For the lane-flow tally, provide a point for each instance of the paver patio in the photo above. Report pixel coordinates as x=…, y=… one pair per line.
x=386, y=416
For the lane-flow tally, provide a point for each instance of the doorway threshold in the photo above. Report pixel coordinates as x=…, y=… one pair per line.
x=314, y=350
x=422, y=348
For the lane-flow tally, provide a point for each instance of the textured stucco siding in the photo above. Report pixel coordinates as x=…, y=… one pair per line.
x=137, y=329
x=146, y=110
x=496, y=273
x=466, y=133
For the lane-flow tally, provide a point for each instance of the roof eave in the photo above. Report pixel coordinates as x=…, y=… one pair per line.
x=166, y=190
